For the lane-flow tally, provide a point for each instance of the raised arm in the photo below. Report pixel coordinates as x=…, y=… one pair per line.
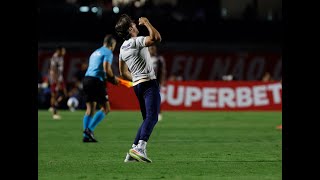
x=154, y=35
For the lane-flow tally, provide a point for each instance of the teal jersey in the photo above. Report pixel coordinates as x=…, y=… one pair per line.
x=96, y=60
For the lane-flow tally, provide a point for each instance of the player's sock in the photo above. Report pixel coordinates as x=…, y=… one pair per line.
x=97, y=118
x=86, y=121
x=142, y=144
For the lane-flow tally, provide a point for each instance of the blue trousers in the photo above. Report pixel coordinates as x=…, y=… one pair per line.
x=148, y=94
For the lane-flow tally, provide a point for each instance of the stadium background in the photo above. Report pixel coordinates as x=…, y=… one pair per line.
x=202, y=41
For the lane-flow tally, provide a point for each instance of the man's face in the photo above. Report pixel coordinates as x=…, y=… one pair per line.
x=134, y=29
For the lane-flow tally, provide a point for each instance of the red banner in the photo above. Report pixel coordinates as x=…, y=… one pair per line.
x=206, y=95
x=214, y=65
x=190, y=65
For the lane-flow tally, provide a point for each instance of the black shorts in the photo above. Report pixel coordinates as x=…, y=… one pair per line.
x=94, y=90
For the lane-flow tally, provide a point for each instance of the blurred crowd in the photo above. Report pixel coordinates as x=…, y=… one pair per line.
x=73, y=88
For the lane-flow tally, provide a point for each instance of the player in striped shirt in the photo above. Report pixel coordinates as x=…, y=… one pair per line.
x=135, y=65
x=56, y=81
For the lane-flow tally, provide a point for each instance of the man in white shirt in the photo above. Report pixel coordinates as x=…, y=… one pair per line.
x=136, y=65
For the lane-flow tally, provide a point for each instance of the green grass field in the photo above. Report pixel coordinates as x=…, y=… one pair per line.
x=184, y=145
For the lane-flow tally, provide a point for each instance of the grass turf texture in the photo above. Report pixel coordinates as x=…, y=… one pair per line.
x=184, y=145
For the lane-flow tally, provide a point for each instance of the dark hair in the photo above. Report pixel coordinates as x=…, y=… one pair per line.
x=123, y=25
x=108, y=39
x=59, y=47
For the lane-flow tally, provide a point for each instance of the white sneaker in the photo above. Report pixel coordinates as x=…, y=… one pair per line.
x=130, y=159
x=159, y=117
x=50, y=109
x=56, y=117
x=140, y=152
